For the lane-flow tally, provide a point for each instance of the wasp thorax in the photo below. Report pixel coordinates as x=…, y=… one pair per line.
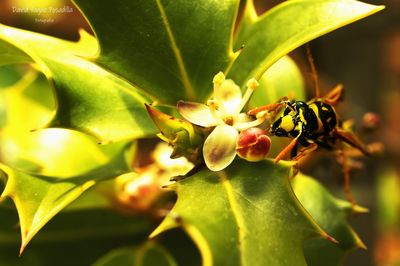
x=253, y=144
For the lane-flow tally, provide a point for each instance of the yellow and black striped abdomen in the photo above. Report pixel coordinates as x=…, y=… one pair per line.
x=326, y=116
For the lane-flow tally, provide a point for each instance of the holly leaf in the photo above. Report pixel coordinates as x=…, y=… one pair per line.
x=69, y=164
x=253, y=218
x=282, y=79
x=89, y=98
x=9, y=54
x=170, y=49
x=148, y=254
x=48, y=169
x=79, y=237
x=287, y=26
x=331, y=214
x=30, y=91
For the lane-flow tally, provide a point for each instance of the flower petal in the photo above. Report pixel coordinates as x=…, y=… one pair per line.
x=219, y=149
x=244, y=118
x=197, y=113
x=229, y=97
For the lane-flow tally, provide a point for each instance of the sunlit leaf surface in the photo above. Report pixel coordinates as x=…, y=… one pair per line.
x=331, y=214
x=245, y=215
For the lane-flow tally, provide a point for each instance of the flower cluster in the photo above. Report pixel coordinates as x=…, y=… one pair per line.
x=223, y=111
x=140, y=190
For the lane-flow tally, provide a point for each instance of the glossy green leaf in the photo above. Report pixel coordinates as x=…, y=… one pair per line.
x=89, y=98
x=169, y=48
x=30, y=92
x=245, y=215
x=148, y=254
x=170, y=51
x=9, y=75
x=288, y=26
x=71, y=238
x=93, y=198
x=9, y=54
x=331, y=214
x=68, y=164
x=282, y=79
x=49, y=168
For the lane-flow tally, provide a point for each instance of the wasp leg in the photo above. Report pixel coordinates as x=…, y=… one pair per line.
x=291, y=145
x=297, y=155
x=324, y=144
x=305, y=151
x=343, y=158
x=335, y=95
x=352, y=140
x=273, y=107
x=286, y=150
x=294, y=151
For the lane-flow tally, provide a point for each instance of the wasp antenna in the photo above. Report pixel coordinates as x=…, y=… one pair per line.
x=313, y=71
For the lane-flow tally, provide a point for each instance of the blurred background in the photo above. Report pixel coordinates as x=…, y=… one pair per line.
x=365, y=57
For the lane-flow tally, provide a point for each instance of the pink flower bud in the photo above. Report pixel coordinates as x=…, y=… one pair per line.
x=253, y=144
x=371, y=120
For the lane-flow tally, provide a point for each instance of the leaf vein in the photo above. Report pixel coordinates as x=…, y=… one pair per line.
x=178, y=56
x=236, y=212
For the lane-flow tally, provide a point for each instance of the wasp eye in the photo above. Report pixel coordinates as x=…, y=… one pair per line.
x=276, y=125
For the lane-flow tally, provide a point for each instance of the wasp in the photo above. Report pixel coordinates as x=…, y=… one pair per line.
x=311, y=125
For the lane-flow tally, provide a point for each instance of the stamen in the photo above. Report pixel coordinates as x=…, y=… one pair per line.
x=252, y=84
x=218, y=79
x=229, y=120
x=213, y=104
x=245, y=125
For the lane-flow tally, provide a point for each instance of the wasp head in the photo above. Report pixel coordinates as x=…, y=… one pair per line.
x=283, y=126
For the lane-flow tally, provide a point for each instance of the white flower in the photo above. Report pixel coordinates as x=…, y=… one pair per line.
x=223, y=113
x=141, y=189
